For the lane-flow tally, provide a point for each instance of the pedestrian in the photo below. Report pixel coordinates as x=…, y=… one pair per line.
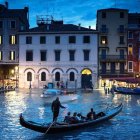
x=56, y=105
x=104, y=85
x=57, y=84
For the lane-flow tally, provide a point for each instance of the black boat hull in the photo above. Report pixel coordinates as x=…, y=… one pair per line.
x=68, y=127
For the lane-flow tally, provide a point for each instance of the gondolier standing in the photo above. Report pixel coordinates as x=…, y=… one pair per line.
x=55, y=108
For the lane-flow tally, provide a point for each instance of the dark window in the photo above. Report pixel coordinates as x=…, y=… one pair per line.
x=71, y=55
x=121, y=39
x=72, y=39
x=104, y=40
x=86, y=39
x=130, y=35
x=57, y=76
x=121, y=29
x=13, y=24
x=1, y=24
x=29, y=55
x=42, y=39
x=28, y=40
x=103, y=14
x=121, y=14
x=43, y=76
x=86, y=55
x=57, y=40
x=29, y=76
x=72, y=76
x=43, y=55
x=57, y=55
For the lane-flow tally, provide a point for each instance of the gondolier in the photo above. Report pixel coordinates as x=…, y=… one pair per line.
x=55, y=108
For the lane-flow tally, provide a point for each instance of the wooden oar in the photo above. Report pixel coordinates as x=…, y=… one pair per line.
x=49, y=127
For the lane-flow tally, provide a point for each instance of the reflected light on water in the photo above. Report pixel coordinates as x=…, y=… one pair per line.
x=127, y=98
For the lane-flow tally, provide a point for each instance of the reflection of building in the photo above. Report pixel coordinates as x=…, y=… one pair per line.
x=112, y=24
x=134, y=44
x=11, y=21
x=54, y=51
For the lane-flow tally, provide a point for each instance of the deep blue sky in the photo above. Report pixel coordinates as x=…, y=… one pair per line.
x=71, y=11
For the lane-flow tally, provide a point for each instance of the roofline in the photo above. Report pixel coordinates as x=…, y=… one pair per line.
x=112, y=9
x=61, y=32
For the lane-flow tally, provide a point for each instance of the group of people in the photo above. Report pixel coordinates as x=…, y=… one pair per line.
x=77, y=117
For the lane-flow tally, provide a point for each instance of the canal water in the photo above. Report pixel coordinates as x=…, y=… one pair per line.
x=125, y=125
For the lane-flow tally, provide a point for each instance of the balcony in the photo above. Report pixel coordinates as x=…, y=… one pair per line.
x=116, y=73
x=112, y=58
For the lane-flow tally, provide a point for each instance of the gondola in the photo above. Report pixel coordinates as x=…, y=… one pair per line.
x=61, y=127
x=129, y=91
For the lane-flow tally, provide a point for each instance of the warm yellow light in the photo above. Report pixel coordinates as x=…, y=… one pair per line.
x=103, y=41
x=13, y=40
x=0, y=55
x=0, y=39
x=86, y=71
x=12, y=55
x=16, y=68
x=12, y=71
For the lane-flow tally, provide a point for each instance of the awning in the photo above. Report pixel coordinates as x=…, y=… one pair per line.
x=126, y=79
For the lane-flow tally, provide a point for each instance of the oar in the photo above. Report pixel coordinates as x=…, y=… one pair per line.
x=49, y=127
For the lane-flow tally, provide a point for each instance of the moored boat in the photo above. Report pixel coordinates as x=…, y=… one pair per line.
x=124, y=90
x=60, y=127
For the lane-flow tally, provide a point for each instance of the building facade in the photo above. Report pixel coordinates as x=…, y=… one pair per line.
x=112, y=25
x=11, y=21
x=57, y=52
x=134, y=44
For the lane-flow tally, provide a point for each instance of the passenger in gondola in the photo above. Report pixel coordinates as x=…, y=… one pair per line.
x=91, y=115
x=67, y=118
x=100, y=114
x=74, y=118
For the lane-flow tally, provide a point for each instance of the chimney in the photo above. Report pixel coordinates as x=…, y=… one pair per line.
x=89, y=27
x=79, y=26
x=6, y=4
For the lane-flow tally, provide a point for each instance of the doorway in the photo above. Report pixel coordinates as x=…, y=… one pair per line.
x=86, y=79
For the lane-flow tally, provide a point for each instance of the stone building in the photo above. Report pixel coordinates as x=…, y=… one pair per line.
x=55, y=52
x=11, y=21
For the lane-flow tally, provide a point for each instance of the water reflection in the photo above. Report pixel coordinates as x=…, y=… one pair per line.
x=35, y=108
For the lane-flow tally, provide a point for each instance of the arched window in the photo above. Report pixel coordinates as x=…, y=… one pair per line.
x=57, y=76
x=72, y=76
x=43, y=76
x=29, y=76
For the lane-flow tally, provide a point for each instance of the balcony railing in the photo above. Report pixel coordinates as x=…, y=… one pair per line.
x=111, y=58
x=109, y=72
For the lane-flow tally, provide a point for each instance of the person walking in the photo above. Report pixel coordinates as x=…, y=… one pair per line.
x=56, y=105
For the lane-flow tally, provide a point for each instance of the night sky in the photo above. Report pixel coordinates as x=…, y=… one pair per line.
x=71, y=11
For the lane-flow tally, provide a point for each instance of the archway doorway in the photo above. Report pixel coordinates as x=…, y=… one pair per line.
x=86, y=78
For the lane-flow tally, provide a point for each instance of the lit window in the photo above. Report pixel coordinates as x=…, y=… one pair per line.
x=12, y=39
x=1, y=39
x=12, y=55
x=103, y=40
x=0, y=55
x=130, y=49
